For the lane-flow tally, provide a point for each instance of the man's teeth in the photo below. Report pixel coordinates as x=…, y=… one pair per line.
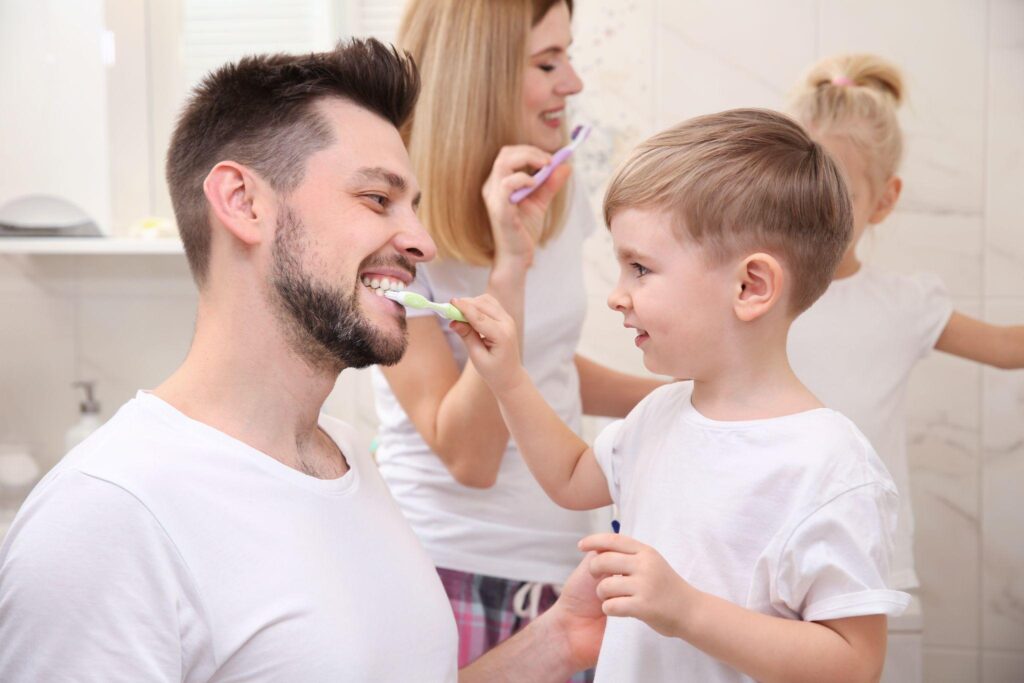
x=381, y=285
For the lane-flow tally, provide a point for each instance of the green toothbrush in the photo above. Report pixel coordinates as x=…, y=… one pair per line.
x=414, y=300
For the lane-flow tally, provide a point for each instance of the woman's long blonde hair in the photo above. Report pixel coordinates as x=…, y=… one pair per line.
x=471, y=56
x=855, y=96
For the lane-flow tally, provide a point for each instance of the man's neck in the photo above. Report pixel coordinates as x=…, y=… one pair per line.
x=242, y=378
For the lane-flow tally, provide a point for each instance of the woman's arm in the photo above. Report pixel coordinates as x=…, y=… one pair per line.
x=1001, y=346
x=610, y=393
x=453, y=410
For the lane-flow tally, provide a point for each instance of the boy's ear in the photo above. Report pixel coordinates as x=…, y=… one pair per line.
x=887, y=201
x=235, y=196
x=759, y=286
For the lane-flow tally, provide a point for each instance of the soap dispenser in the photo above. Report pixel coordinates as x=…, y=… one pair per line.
x=89, y=417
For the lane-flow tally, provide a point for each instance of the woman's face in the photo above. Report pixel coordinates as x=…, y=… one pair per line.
x=549, y=79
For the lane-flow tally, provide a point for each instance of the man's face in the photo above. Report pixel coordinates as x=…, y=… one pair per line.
x=350, y=221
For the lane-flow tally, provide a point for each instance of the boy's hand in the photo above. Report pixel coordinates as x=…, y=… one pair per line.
x=491, y=341
x=636, y=581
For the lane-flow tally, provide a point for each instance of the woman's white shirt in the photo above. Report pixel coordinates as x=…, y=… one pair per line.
x=511, y=530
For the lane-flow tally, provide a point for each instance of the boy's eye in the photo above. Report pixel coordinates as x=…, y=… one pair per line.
x=639, y=269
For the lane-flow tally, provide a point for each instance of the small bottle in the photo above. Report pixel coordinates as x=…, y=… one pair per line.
x=89, y=418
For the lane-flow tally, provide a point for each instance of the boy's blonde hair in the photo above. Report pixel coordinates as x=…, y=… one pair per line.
x=470, y=55
x=855, y=96
x=744, y=180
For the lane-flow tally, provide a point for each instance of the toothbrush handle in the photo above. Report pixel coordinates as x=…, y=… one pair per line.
x=540, y=176
x=449, y=311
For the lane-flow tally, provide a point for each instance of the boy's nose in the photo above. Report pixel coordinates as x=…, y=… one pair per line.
x=617, y=300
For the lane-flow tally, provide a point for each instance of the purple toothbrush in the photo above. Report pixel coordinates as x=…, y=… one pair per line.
x=579, y=134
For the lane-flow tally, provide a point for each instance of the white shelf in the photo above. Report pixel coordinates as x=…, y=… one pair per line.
x=74, y=246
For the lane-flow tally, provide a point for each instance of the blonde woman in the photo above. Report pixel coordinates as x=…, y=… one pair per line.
x=856, y=346
x=496, y=78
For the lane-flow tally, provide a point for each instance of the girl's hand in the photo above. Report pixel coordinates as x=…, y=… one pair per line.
x=636, y=581
x=491, y=340
x=516, y=226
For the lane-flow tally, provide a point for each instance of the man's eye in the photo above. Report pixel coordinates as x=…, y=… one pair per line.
x=378, y=199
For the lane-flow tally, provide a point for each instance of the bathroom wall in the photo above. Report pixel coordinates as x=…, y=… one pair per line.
x=127, y=320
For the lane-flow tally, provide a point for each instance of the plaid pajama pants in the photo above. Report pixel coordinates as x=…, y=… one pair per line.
x=488, y=610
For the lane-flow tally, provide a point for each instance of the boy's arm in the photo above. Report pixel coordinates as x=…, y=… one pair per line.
x=636, y=581
x=610, y=393
x=1001, y=346
x=561, y=462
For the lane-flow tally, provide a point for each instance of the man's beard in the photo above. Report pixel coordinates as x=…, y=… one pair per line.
x=324, y=324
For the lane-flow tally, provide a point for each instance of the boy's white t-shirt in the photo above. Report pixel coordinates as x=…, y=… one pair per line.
x=789, y=516
x=855, y=348
x=161, y=549
x=511, y=530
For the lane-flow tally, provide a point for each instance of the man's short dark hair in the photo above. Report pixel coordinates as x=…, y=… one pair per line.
x=260, y=112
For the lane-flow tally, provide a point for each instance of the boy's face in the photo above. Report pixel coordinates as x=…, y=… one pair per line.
x=679, y=304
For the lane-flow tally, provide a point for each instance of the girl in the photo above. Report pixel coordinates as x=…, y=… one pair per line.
x=496, y=78
x=855, y=347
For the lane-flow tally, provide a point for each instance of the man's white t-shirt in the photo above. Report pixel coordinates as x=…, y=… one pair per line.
x=161, y=549
x=790, y=516
x=854, y=348
x=511, y=530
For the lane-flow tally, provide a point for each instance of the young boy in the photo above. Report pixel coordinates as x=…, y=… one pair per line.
x=757, y=524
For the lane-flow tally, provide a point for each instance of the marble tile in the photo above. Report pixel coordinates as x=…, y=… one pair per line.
x=943, y=665
x=943, y=426
x=1001, y=667
x=1002, y=484
x=1004, y=226
x=722, y=55
x=614, y=55
x=948, y=245
x=941, y=48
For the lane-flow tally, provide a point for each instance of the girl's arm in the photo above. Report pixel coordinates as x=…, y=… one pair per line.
x=1001, y=346
x=610, y=393
x=561, y=462
x=636, y=581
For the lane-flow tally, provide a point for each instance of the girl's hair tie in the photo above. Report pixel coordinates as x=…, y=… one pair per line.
x=842, y=81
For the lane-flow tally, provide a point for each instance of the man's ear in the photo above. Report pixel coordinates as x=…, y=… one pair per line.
x=887, y=201
x=759, y=282
x=233, y=192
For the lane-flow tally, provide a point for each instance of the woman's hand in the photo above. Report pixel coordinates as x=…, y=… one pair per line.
x=516, y=226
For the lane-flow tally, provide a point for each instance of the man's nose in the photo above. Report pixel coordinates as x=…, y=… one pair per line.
x=415, y=242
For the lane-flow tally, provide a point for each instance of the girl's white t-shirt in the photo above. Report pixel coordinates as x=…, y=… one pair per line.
x=511, y=530
x=854, y=348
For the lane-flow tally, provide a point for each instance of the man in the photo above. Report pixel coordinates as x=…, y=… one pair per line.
x=220, y=528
